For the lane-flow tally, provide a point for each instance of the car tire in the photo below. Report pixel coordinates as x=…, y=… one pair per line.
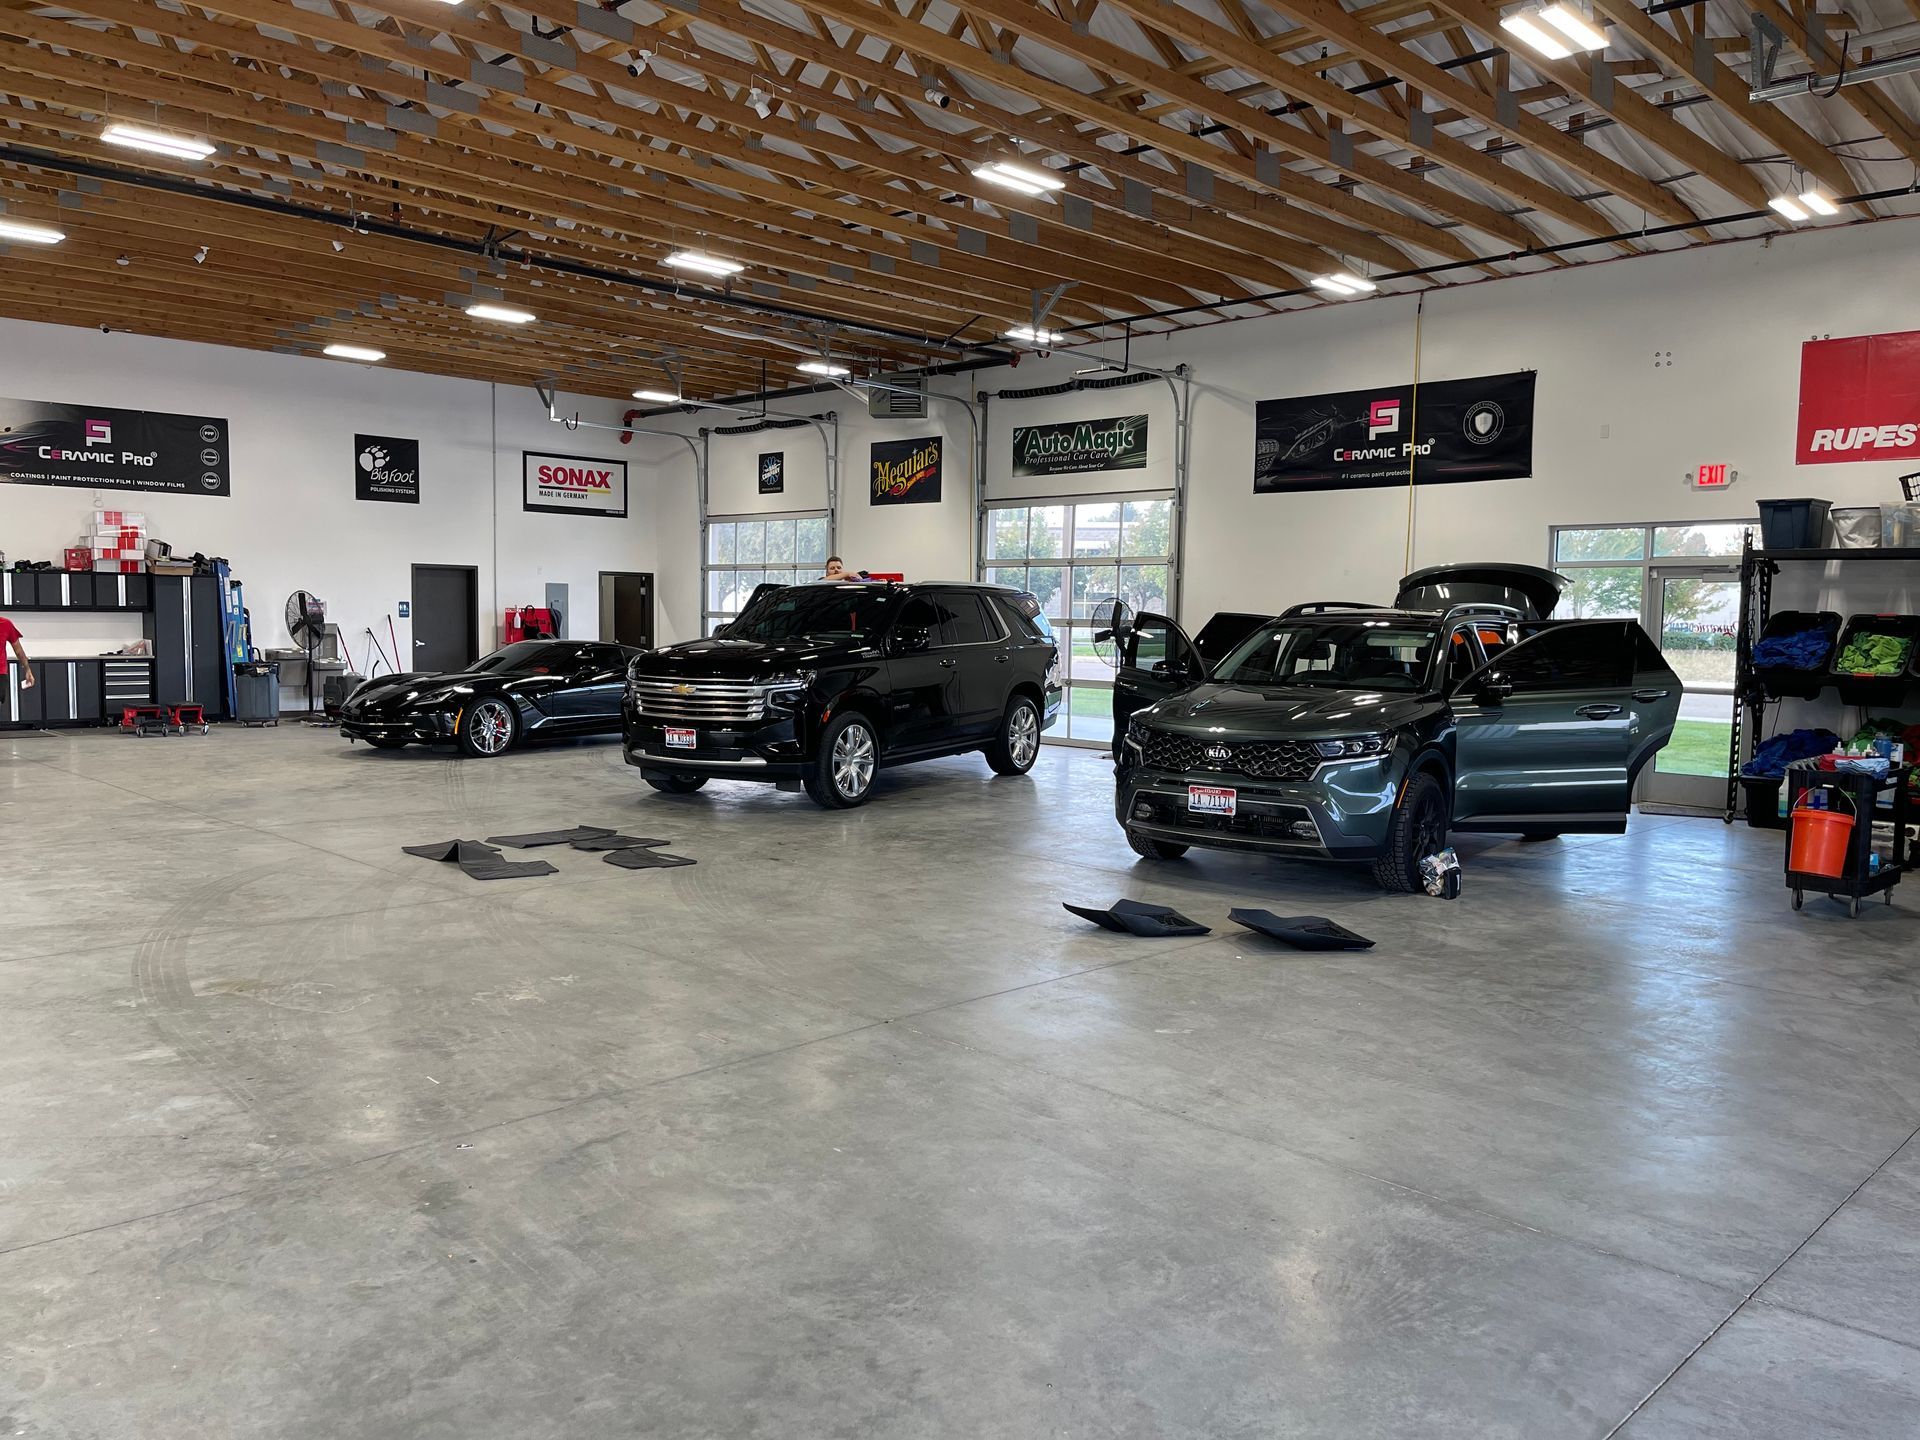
x=1418, y=829
x=1541, y=835
x=385, y=743
x=1149, y=848
x=1017, y=745
x=673, y=782
x=489, y=728
x=842, y=773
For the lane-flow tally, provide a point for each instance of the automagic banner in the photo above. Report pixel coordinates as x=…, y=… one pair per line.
x=573, y=485
x=1859, y=399
x=1074, y=447
x=906, y=472
x=773, y=472
x=1451, y=431
x=96, y=447
x=386, y=467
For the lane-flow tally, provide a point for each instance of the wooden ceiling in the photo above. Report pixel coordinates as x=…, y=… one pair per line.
x=379, y=162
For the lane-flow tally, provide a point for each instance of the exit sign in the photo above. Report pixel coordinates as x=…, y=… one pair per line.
x=1713, y=477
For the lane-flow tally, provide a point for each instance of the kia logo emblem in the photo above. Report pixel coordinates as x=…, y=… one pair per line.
x=1218, y=752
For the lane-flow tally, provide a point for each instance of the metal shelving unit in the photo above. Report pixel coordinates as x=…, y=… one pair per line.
x=1757, y=569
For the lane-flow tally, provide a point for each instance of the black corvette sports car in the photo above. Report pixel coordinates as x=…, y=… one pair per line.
x=533, y=687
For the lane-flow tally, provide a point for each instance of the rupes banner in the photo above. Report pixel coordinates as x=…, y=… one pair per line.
x=386, y=467
x=573, y=485
x=95, y=447
x=906, y=472
x=773, y=472
x=1859, y=399
x=1477, y=429
x=1077, y=446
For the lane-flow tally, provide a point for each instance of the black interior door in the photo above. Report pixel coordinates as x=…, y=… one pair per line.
x=1156, y=660
x=446, y=617
x=626, y=608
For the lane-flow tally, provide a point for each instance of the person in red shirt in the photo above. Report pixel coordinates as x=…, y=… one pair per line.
x=10, y=640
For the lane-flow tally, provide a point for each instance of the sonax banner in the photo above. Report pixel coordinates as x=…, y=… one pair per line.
x=573, y=485
x=1859, y=399
x=906, y=472
x=1448, y=431
x=96, y=447
x=1075, y=447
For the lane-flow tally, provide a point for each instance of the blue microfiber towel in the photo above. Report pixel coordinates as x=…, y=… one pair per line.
x=1771, y=758
x=1803, y=650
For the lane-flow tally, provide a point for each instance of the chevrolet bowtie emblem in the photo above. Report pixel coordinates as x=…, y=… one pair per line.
x=683, y=689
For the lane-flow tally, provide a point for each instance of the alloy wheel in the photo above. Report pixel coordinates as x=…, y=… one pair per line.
x=1430, y=827
x=490, y=726
x=853, y=761
x=1023, y=736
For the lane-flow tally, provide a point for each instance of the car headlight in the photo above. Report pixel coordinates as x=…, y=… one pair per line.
x=1137, y=733
x=1355, y=747
x=787, y=691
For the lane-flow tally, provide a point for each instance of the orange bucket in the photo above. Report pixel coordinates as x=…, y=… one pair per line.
x=1819, y=845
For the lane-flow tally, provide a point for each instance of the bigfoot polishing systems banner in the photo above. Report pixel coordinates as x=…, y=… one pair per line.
x=1477, y=429
x=95, y=447
x=1075, y=447
x=906, y=472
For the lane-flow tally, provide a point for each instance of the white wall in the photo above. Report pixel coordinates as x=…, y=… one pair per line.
x=292, y=521
x=1614, y=435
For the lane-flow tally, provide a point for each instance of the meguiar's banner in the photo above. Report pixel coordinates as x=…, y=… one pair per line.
x=1449, y=431
x=1074, y=447
x=96, y=447
x=906, y=472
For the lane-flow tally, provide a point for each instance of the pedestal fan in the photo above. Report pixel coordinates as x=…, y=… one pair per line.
x=307, y=624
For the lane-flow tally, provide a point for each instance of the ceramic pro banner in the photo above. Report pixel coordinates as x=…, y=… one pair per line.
x=906, y=472
x=1476, y=429
x=1859, y=399
x=573, y=485
x=96, y=447
x=1076, y=447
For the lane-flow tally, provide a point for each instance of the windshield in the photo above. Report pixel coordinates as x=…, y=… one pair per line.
x=512, y=658
x=1346, y=654
x=826, y=612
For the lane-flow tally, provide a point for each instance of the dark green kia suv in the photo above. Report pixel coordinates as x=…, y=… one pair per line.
x=1348, y=732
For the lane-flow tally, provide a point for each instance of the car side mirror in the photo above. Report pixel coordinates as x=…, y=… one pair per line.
x=1492, y=691
x=912, y=641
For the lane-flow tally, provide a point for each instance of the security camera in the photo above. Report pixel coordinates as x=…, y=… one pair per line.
x=105, y=329
x=937, y=96
x=637, y=66
x=761, y=102
x=122, y=261
x=200, y=256
x=338, y=246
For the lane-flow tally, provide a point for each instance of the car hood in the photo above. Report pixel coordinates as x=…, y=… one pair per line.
x=409, y=687
x=1249, y=712
x=723, y=659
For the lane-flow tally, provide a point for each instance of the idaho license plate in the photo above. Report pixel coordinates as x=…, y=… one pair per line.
x=681, y=740
x=1211, y=799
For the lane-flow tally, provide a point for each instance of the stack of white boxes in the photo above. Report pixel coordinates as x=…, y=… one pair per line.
x=118, y=542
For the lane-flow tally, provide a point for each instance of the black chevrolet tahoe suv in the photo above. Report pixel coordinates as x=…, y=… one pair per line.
x=1356, y=732
x=823, y=684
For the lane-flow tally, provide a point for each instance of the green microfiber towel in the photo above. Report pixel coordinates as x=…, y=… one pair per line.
x=1870, y=654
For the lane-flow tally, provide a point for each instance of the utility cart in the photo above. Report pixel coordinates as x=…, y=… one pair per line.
x=1840, y=865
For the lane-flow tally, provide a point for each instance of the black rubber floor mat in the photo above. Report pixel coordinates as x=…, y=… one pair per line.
x=479, y=862
x=1303, y=932
x=644, y=859
x=1133, y=917
x=550, y=837
x=617, y=842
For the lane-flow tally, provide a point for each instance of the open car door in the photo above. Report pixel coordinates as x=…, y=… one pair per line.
x=1551, y=733
x=1153, y=659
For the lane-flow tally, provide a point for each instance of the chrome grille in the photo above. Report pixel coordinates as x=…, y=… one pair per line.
x=1257, y=759
x=704, y=702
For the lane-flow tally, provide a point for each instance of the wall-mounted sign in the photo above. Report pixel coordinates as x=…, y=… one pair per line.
x=1712, y=477
x=773, y=473
x=96, y=447
x=386, y=467
x=906, y=472
x=573, y=485
x=1859, y=399
x=1074, y=447
x=1450, y=431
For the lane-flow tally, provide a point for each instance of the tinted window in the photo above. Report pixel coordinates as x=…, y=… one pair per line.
x=1022, y=616
x=1593, y=656
x=967, y=622
x=1358, y=654
x=519, y=657
x=826, y=612
x=921, y=614
x=1462, y=659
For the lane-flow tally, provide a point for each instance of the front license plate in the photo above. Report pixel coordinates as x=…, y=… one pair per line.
x=681, y=740
x=1211, y=799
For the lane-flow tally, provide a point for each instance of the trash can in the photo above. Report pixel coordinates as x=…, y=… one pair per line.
x=256, y=692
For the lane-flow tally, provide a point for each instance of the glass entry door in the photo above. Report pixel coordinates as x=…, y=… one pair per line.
x=1693, y=611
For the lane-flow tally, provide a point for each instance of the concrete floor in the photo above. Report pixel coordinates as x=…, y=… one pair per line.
x=851, y=1131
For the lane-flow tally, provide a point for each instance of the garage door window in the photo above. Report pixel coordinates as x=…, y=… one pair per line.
x=744, y=551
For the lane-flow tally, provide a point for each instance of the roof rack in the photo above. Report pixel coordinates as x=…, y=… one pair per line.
x=1319, y=606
